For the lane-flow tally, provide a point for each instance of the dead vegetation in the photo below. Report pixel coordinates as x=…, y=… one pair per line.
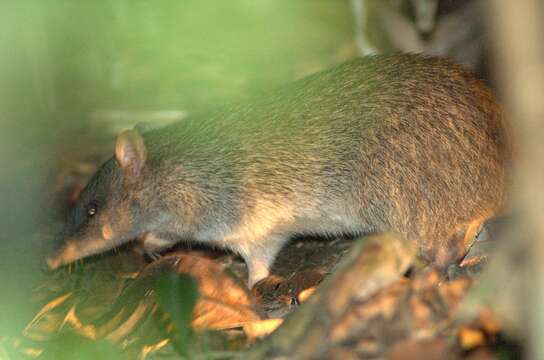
x=110, y=306
x=356, y=299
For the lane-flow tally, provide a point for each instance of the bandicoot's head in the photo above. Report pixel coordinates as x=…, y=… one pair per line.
x=108, y=210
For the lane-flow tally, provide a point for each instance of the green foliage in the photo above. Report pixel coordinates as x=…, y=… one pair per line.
x=176, y=54
x=65, y=62
x=177, y=295
x=69, y=345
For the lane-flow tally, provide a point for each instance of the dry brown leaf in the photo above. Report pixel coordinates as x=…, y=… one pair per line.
x=225, y=301
x=261, y=328
x=148, y=349
x=470, y=338
x=72, y=319
x=213, y=281
x=473, y=261
x=213, y=314
x=305, y=294
x=41, y=330
x=44, y=310
x=126, y=327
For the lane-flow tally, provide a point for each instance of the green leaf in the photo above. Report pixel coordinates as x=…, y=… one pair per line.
x=69, y=345
x=177, y=295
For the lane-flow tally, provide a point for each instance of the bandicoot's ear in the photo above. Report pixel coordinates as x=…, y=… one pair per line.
x=130, y=152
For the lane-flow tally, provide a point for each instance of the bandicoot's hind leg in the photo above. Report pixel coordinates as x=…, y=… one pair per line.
x=457, y=245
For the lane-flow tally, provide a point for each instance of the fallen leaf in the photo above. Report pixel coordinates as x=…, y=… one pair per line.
x=46, y=309
x=471, y=338
x=305, y=294
x=261, y=328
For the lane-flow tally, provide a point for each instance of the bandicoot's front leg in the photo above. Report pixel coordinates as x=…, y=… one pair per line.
x=259, y=256
x=356, y=278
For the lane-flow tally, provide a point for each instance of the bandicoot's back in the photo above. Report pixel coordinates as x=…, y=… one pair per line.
x=400, y=142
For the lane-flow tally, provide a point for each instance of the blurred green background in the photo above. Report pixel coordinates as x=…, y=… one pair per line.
x=75, y=71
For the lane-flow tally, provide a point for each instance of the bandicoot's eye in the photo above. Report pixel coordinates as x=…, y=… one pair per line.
x=91, y=209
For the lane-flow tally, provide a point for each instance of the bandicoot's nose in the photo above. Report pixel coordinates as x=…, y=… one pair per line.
x=53, y=263
x=67, y=254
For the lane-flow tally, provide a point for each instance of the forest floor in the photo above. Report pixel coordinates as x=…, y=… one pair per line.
x=344, y=298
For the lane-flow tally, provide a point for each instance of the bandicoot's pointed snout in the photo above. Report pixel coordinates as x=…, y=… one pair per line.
x=53, y=263
x=74, y=250
x=67, y=254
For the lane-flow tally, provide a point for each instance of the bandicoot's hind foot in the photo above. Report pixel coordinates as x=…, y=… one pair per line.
x=457, y=246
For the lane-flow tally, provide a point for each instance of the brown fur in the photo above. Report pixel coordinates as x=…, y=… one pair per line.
x=402, y=142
